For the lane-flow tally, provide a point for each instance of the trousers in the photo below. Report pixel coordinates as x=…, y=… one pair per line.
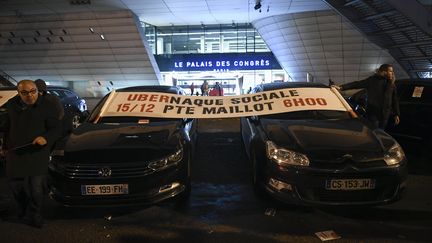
x=29, y=193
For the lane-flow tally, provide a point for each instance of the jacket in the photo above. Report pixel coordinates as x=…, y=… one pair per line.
x=24, y=124
x=382, y=98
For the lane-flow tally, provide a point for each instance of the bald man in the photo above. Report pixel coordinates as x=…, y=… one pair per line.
x=32, y=128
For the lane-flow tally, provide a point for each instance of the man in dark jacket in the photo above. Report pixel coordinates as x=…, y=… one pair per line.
x=30, y=131
x=382, y=101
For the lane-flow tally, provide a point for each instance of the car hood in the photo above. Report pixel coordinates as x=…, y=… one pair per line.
x=105, y=143
x=329, y=140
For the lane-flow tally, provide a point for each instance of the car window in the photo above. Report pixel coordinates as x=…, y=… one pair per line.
x=69, y=93
x=57, y=93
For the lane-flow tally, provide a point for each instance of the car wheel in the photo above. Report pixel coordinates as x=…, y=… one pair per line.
x=75, y=120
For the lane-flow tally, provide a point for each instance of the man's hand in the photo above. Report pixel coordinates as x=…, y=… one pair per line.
x=39, y=141
x=396, y=120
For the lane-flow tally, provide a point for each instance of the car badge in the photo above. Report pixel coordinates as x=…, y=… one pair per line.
x=347, y=156
x=104, y=172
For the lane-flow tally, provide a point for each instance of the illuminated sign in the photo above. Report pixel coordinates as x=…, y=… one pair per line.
x=217, y=62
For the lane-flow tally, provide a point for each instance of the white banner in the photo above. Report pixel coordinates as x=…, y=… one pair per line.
x=153, y=104
x=5, y=95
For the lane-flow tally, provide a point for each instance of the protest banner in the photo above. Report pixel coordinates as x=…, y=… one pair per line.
x=165, y=105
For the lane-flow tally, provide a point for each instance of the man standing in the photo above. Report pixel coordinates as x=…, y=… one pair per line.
x=192, y=88
x=382, y=101
x=30, y=131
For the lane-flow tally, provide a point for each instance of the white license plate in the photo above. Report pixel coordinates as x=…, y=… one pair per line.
x=350, y=184
x=113, y=189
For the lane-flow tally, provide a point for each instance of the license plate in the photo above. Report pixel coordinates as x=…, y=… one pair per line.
x=113, y=189
x=350, y=184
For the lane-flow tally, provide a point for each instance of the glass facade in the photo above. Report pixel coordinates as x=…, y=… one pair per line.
x=173, y=42
x=231, y=38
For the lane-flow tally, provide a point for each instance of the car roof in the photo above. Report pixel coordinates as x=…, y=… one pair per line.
x=284, y=85
x=153, y=88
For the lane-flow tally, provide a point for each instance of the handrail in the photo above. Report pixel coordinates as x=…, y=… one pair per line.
x=6, y=76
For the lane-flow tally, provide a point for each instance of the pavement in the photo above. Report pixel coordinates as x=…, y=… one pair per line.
x=223, y=208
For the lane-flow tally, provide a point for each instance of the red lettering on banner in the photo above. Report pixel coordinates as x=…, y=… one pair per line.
x=142, y=97
x=310, y=101
x=164, y=98
x=321, y=101
x=305, y=102
x=132, y=97
x=298, y=102
x=153, y=98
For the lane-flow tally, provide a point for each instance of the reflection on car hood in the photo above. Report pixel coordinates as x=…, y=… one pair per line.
x=105, y=143
x=328, y=139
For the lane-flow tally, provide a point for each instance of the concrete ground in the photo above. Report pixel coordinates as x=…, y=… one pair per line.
x=223, y=208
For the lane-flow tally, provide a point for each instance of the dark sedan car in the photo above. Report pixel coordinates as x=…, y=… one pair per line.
x=322, y=157
x=75, y=106
x=415, y=102
x=124, y=160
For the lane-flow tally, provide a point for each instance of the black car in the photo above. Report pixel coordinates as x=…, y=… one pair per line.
x=322, y=157
x=124, y=160
x=75, y=106
x=415, y=102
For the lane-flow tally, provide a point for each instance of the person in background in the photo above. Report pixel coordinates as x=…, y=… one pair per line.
x=219, y=89
x=382, y=102
x=31, y=130
x=42, y=88
x=205, y=88
x=192, y=88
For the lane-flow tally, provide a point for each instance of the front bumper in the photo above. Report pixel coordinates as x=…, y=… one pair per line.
x=307, y=186
x=143, y=190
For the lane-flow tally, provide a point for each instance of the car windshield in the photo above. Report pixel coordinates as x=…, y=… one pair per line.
x=309, y=115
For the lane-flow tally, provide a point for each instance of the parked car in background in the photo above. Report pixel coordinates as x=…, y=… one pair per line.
x=415, y=102
x=75, y=107
x=322, y=157
x=124, y=160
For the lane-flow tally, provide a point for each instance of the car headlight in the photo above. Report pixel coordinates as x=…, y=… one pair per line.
x=395, y=155
x=169, y=161
x=284, y=157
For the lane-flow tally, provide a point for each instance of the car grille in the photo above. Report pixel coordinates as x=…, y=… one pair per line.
x=78, y=171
